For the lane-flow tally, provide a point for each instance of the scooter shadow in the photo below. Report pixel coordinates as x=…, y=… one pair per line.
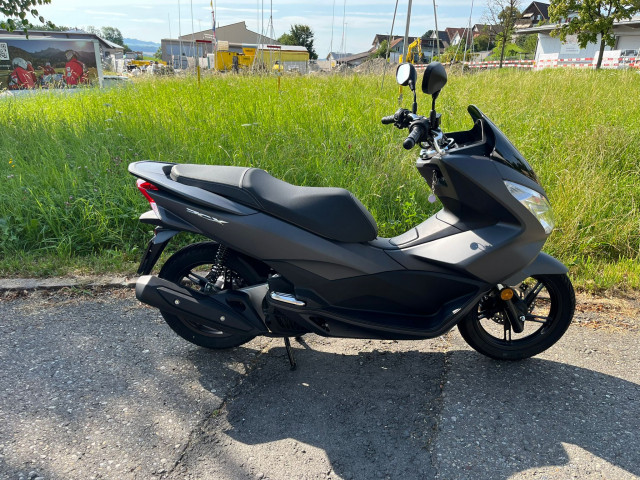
x=418, y=414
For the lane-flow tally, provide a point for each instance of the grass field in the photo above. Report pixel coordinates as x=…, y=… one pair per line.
x=67, y=203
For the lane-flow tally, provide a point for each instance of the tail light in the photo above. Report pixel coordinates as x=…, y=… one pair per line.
x=144, y=186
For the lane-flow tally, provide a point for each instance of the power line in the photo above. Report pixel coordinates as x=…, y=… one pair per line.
x=393, y=22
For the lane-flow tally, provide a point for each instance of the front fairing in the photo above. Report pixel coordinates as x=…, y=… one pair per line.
x=501, y=149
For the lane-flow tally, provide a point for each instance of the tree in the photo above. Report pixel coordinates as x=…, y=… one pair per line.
x=92, y=30
x=158, y=53
x=113, y=35
x=451, y=54
x=502, y=15
x=590, y=19
x=510, y=50
x=528, y=43
x=16, y=12
x=381, y=52
x=47, y=27
x=300, y=35
x=482, y=43
x=427, y=35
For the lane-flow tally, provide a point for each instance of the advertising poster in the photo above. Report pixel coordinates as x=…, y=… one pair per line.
x=27, y=64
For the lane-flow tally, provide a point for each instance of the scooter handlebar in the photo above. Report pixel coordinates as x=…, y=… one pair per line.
x=413, y=138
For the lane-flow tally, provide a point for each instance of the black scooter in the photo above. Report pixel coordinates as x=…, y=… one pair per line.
x=288, y=260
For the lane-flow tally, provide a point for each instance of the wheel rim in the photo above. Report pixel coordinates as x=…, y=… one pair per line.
x=199, y=277
x=541, y=300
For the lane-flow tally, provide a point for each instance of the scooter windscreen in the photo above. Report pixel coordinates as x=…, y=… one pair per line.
x=503, y=150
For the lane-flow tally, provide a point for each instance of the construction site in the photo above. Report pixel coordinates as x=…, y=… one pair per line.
x=233, y=48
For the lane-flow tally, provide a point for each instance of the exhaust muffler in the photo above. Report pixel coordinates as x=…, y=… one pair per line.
x=230, y=311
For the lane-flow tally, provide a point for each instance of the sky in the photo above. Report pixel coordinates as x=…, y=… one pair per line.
x=152, y=20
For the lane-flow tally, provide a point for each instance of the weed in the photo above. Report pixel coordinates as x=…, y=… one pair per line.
x=67, y=202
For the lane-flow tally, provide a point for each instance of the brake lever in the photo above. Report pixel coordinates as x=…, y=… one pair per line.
x=436, y=141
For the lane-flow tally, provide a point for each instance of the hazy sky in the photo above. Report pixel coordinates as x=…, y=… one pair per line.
x=155, y=19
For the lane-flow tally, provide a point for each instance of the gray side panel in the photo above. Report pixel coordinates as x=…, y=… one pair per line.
x=490, y=254
x=268, y=239
x=543, y=264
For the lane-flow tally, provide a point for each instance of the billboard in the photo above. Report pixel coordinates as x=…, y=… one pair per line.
x=27, y=64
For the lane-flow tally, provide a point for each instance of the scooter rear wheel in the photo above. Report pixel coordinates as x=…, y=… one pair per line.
x=191, y=268
x=551, y=303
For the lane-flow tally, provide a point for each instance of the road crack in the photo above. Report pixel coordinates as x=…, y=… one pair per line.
x=439, y=404
x=199, y=430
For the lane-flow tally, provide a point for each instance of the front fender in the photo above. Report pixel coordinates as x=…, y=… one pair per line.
x=542, y=265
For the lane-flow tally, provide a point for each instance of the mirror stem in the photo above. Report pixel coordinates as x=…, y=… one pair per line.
x=414, y=107
x=432, y=116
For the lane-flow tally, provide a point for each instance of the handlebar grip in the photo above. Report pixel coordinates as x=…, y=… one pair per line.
x=413, y=138
x=388, y=119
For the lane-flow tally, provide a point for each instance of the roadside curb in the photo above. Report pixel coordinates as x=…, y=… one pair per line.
x=30, y=284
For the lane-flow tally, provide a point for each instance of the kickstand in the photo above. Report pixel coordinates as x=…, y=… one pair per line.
x=292, y=359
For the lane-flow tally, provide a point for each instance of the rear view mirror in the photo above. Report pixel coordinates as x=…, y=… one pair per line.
x=435, y=78
x=406, y=75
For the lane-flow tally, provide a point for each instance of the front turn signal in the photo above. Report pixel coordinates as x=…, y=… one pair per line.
x=506, y=294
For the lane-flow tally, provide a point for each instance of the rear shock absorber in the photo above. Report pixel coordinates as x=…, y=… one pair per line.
x=218, y=268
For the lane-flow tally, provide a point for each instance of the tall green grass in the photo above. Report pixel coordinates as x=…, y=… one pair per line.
x=68, y=203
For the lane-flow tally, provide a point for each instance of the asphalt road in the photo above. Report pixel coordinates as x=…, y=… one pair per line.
x=96, y=386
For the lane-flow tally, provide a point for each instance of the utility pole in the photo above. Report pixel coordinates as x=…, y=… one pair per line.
x=406, y=33
x=435, y=14
x=180, y=34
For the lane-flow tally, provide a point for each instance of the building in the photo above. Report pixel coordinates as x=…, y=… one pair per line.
x=236, y=35
x=396, y=48
x=354, y=60
x=334, y=58
x=552, y=49
x=457, y=35
x=443, y=37
x=535, y=14
x=279, y=58
x=484, y=29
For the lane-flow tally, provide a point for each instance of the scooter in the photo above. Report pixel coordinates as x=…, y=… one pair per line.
x=287, y=260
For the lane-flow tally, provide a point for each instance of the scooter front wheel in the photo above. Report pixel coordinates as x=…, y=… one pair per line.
x=193, y=268
x=550, y=303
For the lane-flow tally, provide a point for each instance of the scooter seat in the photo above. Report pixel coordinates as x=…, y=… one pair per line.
x=332, y=213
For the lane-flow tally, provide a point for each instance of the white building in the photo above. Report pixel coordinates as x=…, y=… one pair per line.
x=549, y=49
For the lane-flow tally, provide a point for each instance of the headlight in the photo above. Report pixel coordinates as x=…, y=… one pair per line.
x=535, y=202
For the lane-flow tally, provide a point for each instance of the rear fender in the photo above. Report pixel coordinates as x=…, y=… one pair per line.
x=155, y=247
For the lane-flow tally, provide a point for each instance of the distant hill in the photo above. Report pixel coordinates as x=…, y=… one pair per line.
x=148, y=48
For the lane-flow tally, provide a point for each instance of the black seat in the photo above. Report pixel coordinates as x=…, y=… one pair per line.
x=333, y=213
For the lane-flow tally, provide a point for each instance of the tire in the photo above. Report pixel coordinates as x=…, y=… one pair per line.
x=549, y=314
x=200, y=257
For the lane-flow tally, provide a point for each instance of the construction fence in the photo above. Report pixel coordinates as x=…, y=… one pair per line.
x=610, y=59
x=610, y=62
